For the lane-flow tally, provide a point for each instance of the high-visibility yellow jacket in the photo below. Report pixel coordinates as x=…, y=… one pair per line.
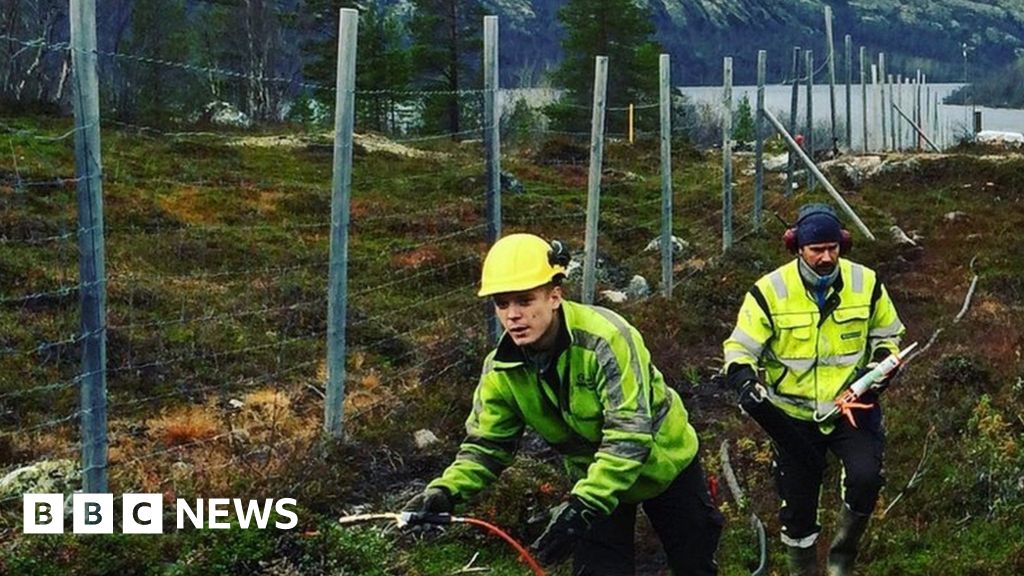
x=807, y=359
x=601, y=403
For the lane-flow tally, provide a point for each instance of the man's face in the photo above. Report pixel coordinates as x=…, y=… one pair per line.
x=528, y=315
x=821, y=257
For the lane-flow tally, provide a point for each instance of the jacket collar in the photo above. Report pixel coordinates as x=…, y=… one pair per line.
x=836, y=285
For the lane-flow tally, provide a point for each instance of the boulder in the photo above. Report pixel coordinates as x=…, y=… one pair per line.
x=678, y=245
x=614, y=296
x=49, y=476
x=638, y=288
x=424, y=438
x=220, y=113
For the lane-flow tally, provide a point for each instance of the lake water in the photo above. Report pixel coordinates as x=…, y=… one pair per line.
x=953, y=121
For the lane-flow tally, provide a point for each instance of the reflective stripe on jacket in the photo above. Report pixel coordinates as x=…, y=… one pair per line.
x=602, y=404
x=808, y=360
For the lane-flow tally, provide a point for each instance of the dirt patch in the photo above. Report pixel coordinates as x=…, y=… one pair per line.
x=416, y=258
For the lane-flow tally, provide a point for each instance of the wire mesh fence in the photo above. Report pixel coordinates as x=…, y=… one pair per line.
x=218, y=257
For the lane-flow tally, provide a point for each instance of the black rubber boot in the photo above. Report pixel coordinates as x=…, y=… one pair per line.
x=843, y=553
x=802, y=561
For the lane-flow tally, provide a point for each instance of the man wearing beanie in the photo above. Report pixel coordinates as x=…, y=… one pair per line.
x=804, y=333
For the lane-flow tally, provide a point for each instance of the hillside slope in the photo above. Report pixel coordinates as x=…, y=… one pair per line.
x=217, y=263
x=698, y=33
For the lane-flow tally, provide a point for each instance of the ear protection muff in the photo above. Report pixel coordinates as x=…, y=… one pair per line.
x=559, y=255
x=789, y=237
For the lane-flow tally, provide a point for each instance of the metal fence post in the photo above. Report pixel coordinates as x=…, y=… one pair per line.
x=831, y=73
x=864, y=96
x=881, y=99
x=594, y=178
x=726, y=153
x=492, y=150
x=665, y=108
x=900, y=140
x=91, y=246
x=848, y=44
x=917, y=129
x=916, y=108
x=876, y=111
x=809, y=138
x=341, y=192
x=794, y=103
x=926, y=110
x=762, y=58
x=893, y=144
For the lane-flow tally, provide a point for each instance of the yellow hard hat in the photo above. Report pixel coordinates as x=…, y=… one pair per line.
x=520, y=262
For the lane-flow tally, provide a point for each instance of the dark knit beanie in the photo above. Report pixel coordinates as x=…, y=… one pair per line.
x=817, y=224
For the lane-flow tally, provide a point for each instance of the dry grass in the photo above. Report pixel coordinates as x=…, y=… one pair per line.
x=185, y=425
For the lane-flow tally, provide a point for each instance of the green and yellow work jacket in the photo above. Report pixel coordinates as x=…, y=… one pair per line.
x=600, y=402
x=810, y=354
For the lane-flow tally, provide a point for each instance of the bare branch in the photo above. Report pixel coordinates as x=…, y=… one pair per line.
x=924, y=348
x=970, y=293
x=737, y=494
x=918, y=474
x=963, y=310
x=730, y=476
x=469, y=568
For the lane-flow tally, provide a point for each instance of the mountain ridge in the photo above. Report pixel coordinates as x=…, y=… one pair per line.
x=698, y=33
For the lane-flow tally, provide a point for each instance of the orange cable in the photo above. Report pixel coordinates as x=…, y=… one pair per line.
x=530, y=561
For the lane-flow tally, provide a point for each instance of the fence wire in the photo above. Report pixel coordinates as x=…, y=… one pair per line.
x=214, y=300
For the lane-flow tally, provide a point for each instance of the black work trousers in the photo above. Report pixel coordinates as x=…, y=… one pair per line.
x=687, y=523
x=860, y=451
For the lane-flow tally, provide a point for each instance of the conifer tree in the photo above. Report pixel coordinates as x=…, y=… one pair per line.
x=446, y=52
x=619, y=29
x=743, y=131
x=157, y=94
x=383, y=62
x=384, y=69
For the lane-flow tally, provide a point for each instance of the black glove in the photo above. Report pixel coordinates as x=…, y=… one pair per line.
x=569, y=521
x=879, y=355
x=884, y=383
x=879, y=386
x=743, y=379
x=433, y=500
x=752, y=392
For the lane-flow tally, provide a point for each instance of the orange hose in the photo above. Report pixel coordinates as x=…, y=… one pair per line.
x=534, y=566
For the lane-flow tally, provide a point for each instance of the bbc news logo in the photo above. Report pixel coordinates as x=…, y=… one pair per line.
x=144, y=513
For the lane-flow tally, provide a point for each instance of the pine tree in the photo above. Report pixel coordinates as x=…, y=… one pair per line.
x=743, y=130
x=156, y=94
x=383, y=63
x=619, y=29
x=384, y=69
x=447, y=49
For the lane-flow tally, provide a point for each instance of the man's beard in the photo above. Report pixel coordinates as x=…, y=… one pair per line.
x=825, y=269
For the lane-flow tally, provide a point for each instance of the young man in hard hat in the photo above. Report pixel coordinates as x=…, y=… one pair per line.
x=581, y=377
x=804, y=333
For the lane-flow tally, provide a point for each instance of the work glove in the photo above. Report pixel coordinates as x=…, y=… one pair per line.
x=569, y=521
x=433, y=500
x=879, y=386
x=751, y=393
x=748, y=386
